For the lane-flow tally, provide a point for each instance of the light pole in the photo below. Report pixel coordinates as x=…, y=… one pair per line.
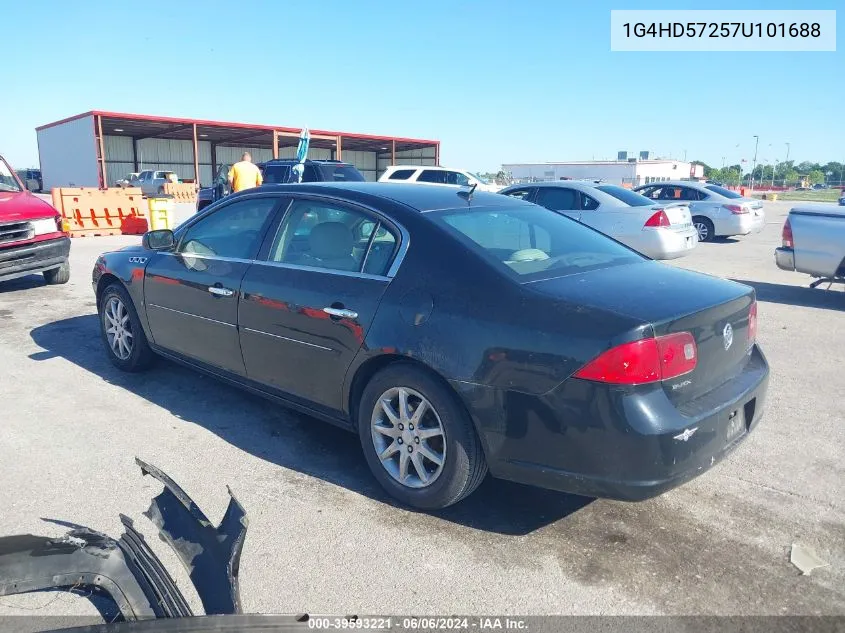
x=754, y=162
x=785, y=167
x=723, y=161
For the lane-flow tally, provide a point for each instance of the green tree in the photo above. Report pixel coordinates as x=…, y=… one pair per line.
x=708, y=170
x=791, y=177
x=816, y=176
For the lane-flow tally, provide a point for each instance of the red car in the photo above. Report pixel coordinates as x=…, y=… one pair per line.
x=32, y=236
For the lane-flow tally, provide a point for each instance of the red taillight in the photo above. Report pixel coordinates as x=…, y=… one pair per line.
x=736, y=209
x=786, y=236
x=657, y=220
x=644, y=361
x=752, y=323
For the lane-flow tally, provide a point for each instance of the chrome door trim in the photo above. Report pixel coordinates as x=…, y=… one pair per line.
x=285, y=338
x=196, y=316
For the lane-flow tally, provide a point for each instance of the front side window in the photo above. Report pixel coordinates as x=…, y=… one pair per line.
x=557, y=198
x=341, y=173
x=532, y=243
x=8, y=182
x=435, y=176
x=235, y=230
x=456, y=178
x=520, y=194
x=324, y=235
x=276, y=174
x=631, y=198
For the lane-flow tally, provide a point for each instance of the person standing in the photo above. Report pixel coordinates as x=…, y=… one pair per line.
x=244, y=174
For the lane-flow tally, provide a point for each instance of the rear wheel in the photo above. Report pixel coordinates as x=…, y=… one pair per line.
x=706, y=231
x=121, y=330
x=60, y=275
x=418, y=441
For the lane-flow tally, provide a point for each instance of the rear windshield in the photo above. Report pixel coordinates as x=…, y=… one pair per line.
x=341, y=173
x=532, y=242
x=727, y=193
x=631, y=198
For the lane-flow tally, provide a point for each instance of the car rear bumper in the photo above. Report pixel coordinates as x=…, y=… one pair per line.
x=27, y=259
x=667, y=243
x=785, y=258
x=741, y=224
x=620, y=443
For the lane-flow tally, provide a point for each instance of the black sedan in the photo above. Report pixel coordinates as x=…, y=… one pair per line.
x=454, y=331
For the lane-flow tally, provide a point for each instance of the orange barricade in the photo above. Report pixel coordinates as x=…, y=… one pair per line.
x=181, y=191
x=89, y=211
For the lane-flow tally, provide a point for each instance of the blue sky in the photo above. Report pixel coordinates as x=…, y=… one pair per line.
x=494, y=81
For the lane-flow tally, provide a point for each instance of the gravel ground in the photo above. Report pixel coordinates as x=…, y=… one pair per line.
x=323, y=538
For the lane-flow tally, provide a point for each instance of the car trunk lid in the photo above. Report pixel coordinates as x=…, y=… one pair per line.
x=672, y=300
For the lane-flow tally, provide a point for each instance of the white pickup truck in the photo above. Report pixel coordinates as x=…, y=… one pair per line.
x=814, y=243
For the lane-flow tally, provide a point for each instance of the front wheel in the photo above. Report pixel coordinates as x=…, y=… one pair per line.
x=121, y=330
x=706, y=231
x=418, y=440
x=60, y=275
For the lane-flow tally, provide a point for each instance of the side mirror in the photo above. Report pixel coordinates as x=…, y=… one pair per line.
x=160, y=240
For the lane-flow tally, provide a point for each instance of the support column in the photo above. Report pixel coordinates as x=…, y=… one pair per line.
x=437, y=154
x=135, y=154
x=102, y=157
x=213, y=162
x=196, y=158
x=275, y=144
x=393, y=152
x=339, y=147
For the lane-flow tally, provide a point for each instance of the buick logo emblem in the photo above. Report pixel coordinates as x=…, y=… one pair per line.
x=728, y=336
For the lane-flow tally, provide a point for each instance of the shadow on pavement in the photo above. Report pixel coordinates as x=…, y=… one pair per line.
x=798, y=296
x=22, y=283
x=289, y=439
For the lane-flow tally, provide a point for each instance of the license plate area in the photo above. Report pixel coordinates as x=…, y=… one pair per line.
x=736, y=426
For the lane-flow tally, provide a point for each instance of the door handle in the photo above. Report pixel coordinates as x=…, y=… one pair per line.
x=220, y=292
x=341, y=312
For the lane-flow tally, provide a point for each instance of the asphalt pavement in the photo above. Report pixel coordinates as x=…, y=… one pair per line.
x=322, y=536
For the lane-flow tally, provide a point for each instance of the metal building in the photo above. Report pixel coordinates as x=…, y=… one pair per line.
x=631, y=172
x=95, y=149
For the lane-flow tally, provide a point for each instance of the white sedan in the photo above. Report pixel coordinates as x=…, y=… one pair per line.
x=659, y=231
x=716, y=211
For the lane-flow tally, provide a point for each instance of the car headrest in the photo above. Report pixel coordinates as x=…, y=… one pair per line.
x=329, y=240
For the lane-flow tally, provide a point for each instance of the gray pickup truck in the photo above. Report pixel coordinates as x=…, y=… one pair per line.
x=814, y=243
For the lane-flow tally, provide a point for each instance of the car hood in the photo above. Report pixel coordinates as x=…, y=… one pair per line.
x=647, y=291
x=22, y=205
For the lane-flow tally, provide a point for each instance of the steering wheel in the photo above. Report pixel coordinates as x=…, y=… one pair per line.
x=528, y=255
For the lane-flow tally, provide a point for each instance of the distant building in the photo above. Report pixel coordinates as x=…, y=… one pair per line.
x=631, y=172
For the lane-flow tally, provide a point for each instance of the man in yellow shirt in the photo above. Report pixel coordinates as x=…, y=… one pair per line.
x=244, y=175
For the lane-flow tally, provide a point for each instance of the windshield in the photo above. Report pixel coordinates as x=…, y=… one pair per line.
x=532, y=242
x=8, y=182
x=727, y=193
x=480, y=179
x=341, y=173
x=631, y=198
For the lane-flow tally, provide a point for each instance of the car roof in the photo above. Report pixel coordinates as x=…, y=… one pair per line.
x=422, y=198
x=294, y=161
x=678, y=183
x=432, y=167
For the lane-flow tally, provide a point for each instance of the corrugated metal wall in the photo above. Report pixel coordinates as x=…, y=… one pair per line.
x=366, y=162
x=68, y=154
x=424, y=156
x=156, y=153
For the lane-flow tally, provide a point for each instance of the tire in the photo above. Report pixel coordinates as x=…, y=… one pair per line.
x=56, y=276
x=705, y=228
x=463, y=465
x=140, y=356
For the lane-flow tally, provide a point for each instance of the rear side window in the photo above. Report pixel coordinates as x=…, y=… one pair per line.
x=456, y=178
x=588, y=203
x=532, y=243
x=341, y=173
x=557, y=198
x=276, y=174
x=520, y=194
x=401, y=174
x=432, y=175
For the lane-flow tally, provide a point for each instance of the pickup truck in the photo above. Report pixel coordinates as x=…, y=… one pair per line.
x=32, y=234
x=814, y=243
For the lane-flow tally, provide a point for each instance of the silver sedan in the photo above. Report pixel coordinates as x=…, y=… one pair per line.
x=716, y=211
x=659, y=231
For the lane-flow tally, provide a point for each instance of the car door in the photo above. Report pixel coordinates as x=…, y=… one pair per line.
x=307, y=305
x=561, y=199
x=192, y=293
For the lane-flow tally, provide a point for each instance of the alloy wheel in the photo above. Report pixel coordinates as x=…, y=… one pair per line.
x=118, y=327
x=703, y=231
x=408, y=436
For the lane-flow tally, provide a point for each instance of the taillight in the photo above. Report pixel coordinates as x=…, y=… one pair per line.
x=645, y=361
x=736, y=209
x=752, y=323
x=658, y=220
x=786, y=236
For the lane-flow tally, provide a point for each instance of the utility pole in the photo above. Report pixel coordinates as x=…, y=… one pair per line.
x=685, y=155
x=723, y=161
x=754, y=162
x=785, y=167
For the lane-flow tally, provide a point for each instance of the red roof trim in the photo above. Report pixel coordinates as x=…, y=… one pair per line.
x=247, y=126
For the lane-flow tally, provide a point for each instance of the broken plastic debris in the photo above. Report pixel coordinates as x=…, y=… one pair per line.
x=805, y=559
